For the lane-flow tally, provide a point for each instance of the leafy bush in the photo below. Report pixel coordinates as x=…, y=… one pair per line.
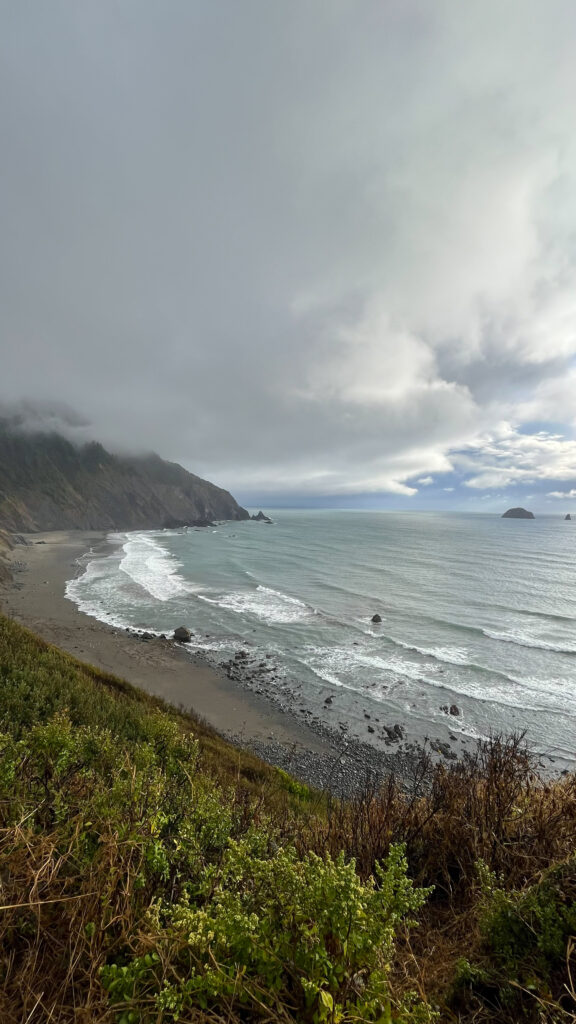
x=304, y=939
x=527, y=943
x=529, y=931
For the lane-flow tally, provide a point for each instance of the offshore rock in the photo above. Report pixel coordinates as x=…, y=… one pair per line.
x=518, y=513
x=261, y=518
x=376, y=618
x=567, y=516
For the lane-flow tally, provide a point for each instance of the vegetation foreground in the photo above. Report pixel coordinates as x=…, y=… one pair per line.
x=150, y=872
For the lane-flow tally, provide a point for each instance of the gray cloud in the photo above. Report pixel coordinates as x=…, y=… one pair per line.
x=297, y=247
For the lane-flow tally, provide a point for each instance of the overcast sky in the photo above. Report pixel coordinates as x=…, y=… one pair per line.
x=311, y=249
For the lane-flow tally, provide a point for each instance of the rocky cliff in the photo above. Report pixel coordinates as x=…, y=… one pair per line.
x=47, y=483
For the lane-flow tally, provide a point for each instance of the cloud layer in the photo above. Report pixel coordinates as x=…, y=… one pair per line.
x=303, y=249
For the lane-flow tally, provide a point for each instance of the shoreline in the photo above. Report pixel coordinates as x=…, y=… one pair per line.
x=184, y=678
x=37, y=600
x=232, y=697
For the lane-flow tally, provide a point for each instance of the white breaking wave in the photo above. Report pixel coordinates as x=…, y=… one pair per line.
x=153, y=568
x=95, y=590
x=266, y=604
x=449, y=655
x=340, y=663
x=339, y=667
x=523, y=639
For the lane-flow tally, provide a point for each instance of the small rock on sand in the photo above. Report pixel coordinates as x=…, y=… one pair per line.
x=183, y=635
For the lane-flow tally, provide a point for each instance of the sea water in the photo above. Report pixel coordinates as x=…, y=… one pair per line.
x=477, y=612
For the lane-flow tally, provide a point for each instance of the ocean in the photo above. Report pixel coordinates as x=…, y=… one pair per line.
x=477, y=612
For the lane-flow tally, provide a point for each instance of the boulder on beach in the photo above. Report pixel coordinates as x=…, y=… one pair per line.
x=182, y=635
x=518, y=513
x=376, y=618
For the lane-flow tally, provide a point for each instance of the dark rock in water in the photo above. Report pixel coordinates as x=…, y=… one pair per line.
x=518, y=513
x=567, y=516
x=261, y=518
x=454, y=709
x=376, y=618
x=328, y=700
x=183, y=635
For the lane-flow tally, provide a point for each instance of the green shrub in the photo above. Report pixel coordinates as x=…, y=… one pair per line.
x=530, y=929
x=304, y=938
x=527, y=941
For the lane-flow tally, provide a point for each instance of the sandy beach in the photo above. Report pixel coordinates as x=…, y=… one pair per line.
x=36, y=599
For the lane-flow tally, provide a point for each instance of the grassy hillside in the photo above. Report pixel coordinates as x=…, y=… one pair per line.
x=150, y=872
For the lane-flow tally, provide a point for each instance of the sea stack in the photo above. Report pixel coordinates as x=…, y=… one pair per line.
x=261, y=518
x=518, y=513
x=567, y=516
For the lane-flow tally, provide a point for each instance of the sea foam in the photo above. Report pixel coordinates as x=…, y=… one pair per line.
x=147, y=563
x=269, y=605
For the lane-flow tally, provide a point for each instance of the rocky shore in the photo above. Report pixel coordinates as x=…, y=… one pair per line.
x=340, y=763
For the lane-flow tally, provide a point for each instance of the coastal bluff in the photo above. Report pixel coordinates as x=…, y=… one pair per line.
x=49, y=483
x=517, y=513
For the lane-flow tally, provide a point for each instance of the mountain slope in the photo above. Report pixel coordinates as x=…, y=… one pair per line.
x=47, y=483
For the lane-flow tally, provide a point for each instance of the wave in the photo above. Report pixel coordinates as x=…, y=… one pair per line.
x=449, y=655
x=94, y=590
x=526, y=640
x=329, y=663
x=347, y=668
x=269, y=605
x=528, y=612
x=147, y=563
